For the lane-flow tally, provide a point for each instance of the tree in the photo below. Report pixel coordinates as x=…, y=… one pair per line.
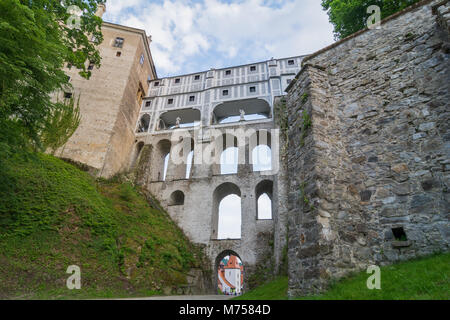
x=61, y=124
x=37, y=39
x=350, y=16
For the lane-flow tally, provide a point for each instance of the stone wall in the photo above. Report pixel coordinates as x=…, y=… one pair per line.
x=369, y=150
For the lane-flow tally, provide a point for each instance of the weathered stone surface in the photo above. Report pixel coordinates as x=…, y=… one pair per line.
x=383, y=153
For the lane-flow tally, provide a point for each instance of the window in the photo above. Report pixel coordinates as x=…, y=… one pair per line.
x=91, y=66
x=291, y=62
x=228, y=72
x=67, y=95
x=253, y=68
x=156, y=84
x=170, y=101
x=177, y=80
x=192, y=98
x=142, y=59
x=263, y=192
x=118, y=54
x=252, y=89
x=148, y=103
x=225, y=92
x=118, y=42
x=197, y=77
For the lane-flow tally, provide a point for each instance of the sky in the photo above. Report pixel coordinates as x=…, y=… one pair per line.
x=195, y=35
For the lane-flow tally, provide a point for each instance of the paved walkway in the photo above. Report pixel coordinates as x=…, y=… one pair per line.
x=206, y=297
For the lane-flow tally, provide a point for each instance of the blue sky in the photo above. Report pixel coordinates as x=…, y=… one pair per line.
x=196, y=35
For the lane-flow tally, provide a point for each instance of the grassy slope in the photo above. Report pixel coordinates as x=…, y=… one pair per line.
x=53, y=215
x=426, y=278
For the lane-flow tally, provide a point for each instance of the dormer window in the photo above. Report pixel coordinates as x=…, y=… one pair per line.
x=118, y=42
x=156, y=84
x=148, y=104
x=197, y=77
x=253, y=68
x=170, y=101
x=228, y=72
x=177, y=80
x=225, y=92
x=191, y=98
x=291, y=62
x=252, y=89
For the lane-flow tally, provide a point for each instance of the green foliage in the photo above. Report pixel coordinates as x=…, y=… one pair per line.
x=350, y=16
x=53, y=215
x=304, y=98
x=61, y=124
x=35, y=44
x=306, y=124
x=274, y=290
x=283, y=123
x=418, y=279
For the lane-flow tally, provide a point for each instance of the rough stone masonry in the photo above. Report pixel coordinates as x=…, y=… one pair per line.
x=369, y=145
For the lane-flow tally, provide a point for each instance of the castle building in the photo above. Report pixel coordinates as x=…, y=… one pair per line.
x=358, y=147
x=110, y=100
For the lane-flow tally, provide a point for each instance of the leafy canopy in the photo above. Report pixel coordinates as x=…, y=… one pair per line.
x=36, y=41
x=350, y=16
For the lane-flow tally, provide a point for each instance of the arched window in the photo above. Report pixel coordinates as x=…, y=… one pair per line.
x=189, y=161
x=160, y=160
x=226, y=212
x=261, y=152
x=229, y=161
x=264, y=192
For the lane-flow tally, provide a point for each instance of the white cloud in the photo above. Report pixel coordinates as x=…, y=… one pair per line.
x=191, y=36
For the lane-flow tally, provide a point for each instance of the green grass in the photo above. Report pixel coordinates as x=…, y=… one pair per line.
x=53, y=215
x=419, y=279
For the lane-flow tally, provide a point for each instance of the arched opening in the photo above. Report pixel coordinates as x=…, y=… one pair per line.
x=144, y=123
x=241, y=110
x=230, y=273
x=176, y=198
x=227, y=148
x=229, y=161
x=264, y=196
x=137, y=152
x=162, y=159
x=226, y=212
x=182, y=118
x=261, y=155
